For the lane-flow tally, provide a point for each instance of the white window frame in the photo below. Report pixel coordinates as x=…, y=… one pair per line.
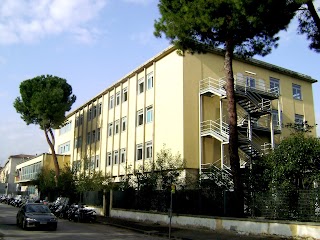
x=110, y=131
x=100, y=109
x=251, y=82
x=124, y=94
x=123, y=155
x=140, y=118
x=111, y=102
x=116, y=127
x=140, y=85
x=97, y=161
x=92, y=162
x=275, y=85
x=118, y=98
x=150, y=81
x=109, y=159
x=139, y=152
x=298, y=119
x=148, y=150
x=115, y=157
x=149, y=114
x=98, y=135
x=93, y=135
x=124, y=124
x=296, y=91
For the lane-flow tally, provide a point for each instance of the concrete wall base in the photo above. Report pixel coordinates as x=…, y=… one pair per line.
x=243, y=226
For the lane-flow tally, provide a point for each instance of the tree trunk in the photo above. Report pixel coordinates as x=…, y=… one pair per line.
x=54, y=156
x=313, y=13
x=233, y=132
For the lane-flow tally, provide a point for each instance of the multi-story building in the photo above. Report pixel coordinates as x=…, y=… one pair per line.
x=9, y=171
x=180, y=101
x=27, y=171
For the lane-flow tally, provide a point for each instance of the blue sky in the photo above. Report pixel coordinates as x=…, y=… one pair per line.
x=92, y=44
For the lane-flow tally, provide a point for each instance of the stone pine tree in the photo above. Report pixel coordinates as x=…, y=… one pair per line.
x=309, y=23
x=242, y=27
x=44, y=101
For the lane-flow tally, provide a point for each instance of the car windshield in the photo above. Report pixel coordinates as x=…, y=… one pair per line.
x=37, y=209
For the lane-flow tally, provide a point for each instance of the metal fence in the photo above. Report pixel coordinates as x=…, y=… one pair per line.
x=302, y=205
x=294, y=205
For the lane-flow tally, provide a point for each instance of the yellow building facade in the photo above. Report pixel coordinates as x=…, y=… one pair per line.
x=27, y=171
x=180, y=101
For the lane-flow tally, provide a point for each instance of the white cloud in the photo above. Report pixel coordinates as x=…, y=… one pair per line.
x=21, y=139
x=31, y=20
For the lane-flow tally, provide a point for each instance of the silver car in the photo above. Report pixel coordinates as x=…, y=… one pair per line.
x=36, y=215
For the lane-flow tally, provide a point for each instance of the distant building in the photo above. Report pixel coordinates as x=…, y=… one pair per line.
x=26, y=172
x=181, y=101
x=8, y=172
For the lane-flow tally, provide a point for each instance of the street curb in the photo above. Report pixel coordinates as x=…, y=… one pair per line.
x=145, y=232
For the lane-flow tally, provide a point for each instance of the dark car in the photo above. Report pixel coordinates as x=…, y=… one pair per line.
x=33, y=215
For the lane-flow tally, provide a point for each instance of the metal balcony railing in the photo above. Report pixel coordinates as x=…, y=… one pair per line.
x=259, y=87
x=212, y=85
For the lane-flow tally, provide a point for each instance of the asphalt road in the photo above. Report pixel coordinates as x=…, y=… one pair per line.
x=66, y=230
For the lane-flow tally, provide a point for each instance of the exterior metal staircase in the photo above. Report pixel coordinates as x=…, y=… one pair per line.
x=254, y=103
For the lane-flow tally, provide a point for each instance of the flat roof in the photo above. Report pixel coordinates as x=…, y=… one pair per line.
x=217, y=51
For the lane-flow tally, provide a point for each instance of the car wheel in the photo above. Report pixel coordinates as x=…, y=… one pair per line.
x=24, y=224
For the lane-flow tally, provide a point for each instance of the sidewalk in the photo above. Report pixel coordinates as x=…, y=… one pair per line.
x=179, y=233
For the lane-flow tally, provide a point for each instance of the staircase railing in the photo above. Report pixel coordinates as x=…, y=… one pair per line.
x=209, y=126
x=212, y=84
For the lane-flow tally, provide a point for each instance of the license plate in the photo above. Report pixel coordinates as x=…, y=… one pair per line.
x=43, y=222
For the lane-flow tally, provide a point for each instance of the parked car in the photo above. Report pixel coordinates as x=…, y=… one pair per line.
x=36, y=215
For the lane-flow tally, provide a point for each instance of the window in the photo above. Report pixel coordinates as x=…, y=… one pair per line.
x=275, y=85
x=116, y=127
x=124, y=95
x=94, y=111
x=88, y=138
x=140, y=117
x=92, y=162
x=111, y=102
x=63, y=148
x=139, y=152
x=110, y=126
x=109, y=158
x=97, y=161
x=78, y=142
x=251, y=82
x=298, y=119
x=123, y=155
x=66, y=127
x=100, y=108
x=98, y=135
x=115, y=156
x=150, y=81
x=140, y=85
x=149, y=150
x=296, y=91
x=124, y=124
x=93, y=136
x=89, y=114
x=118, y=98
x=81, y=119
x=149, y=117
